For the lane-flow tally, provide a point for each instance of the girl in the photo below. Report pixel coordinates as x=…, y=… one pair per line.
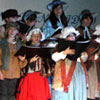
x=86, y=20
x=56, y=19
x=10, y=15
x=34, y=86
x=29, y=20
x=93, y=71
x=69, y=77
x=10, y=65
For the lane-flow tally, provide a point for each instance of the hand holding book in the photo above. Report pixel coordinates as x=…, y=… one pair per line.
x=69, y=51
x=36, y=57
x=78, y=46
x=30, y=52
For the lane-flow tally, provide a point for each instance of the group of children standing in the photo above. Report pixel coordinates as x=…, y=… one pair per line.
x=64, y=79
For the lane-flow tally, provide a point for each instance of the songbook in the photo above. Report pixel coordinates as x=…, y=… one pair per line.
x=29, y=51
x=95, y=51
x=23, y=28
x=95, y=46
x=78, y=46
x=52, y=39
x=49, y=40
x=57, y=31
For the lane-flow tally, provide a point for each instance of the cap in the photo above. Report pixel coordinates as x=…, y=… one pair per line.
x=55, y=2
x=9, y=13
x=28, y=13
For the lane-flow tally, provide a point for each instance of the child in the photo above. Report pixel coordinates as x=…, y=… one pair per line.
x=10, y=15
x=34, y=86
x=69, y=77
x=93, y=66
x=86, y=20
x=56, y=19
x=10, y=65
x=28, y=21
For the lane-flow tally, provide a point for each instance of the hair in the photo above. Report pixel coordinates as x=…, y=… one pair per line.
x=30, y=18
x=10, y=26
x=85, y=16
x=54, y=19
x=72, y=33
x=7, y=30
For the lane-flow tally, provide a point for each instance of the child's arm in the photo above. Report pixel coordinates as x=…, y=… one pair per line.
x=23, y=62
x=62, y=55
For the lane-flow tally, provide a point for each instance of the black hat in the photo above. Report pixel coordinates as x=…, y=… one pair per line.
x=10, y=13
x=55, y=2
x=28, y=13
x=85, y=14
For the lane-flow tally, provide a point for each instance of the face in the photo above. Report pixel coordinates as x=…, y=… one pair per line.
x=86, y=22
x=36, y=38
x=71, y=37
x=12, y=19
x=58, y=10
x=12, y=33
x=33, y=23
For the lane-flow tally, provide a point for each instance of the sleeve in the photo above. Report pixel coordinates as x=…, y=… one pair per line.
x=47, y=29
x=58, y=56
x=84, y=57
x=23, y=63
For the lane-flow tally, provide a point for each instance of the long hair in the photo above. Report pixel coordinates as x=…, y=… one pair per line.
x=53, y=19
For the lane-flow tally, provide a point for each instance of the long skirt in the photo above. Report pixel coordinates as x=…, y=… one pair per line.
x=77, y=87
x=33, y=87
x=92, y=91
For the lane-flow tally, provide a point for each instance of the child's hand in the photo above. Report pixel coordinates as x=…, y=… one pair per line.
x=22, y=58
x=69, y=51
x=34, y=58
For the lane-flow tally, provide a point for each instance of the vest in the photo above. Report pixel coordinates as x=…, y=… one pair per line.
x=5, y=53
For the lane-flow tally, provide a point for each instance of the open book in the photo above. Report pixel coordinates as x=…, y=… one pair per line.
x=57, y=31
x=79, y=47
x=30, y=52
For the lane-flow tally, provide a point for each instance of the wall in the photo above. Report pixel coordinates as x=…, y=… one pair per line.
x=72, y=10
